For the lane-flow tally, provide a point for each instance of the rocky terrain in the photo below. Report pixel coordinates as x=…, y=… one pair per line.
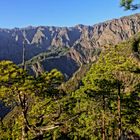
x=83, y=43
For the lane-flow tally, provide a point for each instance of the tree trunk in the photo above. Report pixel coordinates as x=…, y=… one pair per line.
x=24, y=107
x=23, y=55
x=24, y=128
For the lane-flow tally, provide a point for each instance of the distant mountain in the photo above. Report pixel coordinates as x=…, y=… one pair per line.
x=83, y=43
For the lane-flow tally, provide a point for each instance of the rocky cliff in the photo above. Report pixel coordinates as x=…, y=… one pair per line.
x=83, y=42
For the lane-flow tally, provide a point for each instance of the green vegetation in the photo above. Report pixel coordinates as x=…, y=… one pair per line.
x=129, y=4
x=105, y=105
x=50, y=53
x=110, y=95
x=29, y=98
x=75, y=81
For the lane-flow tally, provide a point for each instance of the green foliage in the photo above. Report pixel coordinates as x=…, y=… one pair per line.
x=52, y=52
x=98, y=97
x=108, y=96
x=35, y=102
x=48, y=82
x=129, y=4
x=76, y=80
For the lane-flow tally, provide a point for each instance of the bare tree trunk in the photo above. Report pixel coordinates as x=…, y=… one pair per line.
x=23, y=55
x=23, y=51
x=54, y=136
x=24, y=133
x=23, y=101
x=24, y=107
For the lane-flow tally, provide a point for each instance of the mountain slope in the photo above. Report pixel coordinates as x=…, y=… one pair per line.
x=111, y=87
x=120, y=62
x=82, y=41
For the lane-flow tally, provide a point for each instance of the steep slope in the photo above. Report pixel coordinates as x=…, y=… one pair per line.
x=110, y=94
x=82, y=41
x=130, y=49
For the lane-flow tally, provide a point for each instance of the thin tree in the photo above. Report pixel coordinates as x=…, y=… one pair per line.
x=23, y=51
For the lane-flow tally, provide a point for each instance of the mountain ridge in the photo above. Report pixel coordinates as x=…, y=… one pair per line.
x=82, y=40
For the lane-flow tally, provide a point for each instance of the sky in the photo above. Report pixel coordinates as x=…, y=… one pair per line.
x=23, y=13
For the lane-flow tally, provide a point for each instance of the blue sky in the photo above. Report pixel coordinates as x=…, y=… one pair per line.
x=22, y=13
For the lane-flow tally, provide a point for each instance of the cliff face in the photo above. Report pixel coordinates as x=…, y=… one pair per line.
x=84, y=42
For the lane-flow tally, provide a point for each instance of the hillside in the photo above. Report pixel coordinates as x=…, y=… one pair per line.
x=110, y=95
x=130, y=49
x=106, y=99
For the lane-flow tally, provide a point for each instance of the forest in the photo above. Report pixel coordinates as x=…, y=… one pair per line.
x=102, y=104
